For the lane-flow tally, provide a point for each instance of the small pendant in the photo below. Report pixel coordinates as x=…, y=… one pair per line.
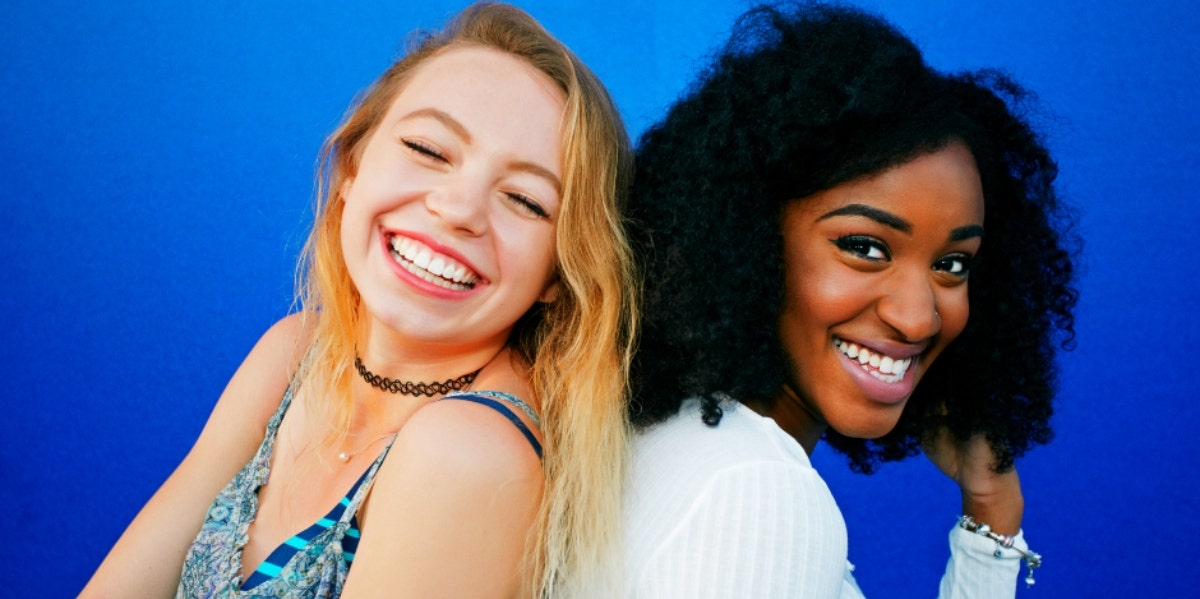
x=344, y=457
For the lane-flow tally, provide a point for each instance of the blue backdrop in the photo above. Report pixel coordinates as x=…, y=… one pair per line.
x=156, y=175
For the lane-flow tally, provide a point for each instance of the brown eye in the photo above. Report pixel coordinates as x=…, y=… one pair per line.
x=867, y=248
x=958, y=265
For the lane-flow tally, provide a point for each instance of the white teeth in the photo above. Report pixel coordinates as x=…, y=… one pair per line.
x=885, y=365
x=887, y=378
x=436, y=266
x=884, y=368
x=433, y=268
x=422, y=259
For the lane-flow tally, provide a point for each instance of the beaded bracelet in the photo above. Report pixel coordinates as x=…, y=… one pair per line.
x=1032, y=559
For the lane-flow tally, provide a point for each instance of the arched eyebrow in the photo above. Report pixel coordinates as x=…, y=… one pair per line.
x=888, y=219
x=967, y=232
x=442, y=117
x=540, y=171
x=459, y=130
x=882, y=217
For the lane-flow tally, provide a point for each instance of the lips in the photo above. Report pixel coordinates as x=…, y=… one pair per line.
x=887, y=378
x=435, y=268
x=886, y=368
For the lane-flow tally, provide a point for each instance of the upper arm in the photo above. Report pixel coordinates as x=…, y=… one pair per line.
x=147, y=559
x=451, y=508
x=764, y=529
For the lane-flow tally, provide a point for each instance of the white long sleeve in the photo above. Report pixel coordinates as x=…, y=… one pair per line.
x=974, y=568
x=738, y=511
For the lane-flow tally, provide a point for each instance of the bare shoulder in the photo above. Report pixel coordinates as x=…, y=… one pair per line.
x=254, y=391
x=282, y=346
x=460, y=457
x=260, y=382
x=253, y=394
x=476, y=442
x=451, y=508
x=147, y=559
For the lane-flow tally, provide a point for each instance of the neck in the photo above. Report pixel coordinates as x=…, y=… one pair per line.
x=794, y=417
x=394, y=356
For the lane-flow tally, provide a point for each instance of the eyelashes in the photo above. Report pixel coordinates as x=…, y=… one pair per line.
x=870, y=249
x=957, y=264
x=424, y=150
x=867, y=248
x=528, y=205
x=523, y=203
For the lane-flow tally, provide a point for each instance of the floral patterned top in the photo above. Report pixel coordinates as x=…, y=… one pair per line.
x=318, y=569
x=213, y=566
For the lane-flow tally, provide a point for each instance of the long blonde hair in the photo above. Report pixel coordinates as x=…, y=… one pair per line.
x=579, y=346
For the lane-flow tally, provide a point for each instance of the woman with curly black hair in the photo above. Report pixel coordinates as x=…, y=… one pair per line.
x=819, y=215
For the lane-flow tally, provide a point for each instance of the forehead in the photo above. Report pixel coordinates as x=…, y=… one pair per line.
x=940, y=186
x=478, y=76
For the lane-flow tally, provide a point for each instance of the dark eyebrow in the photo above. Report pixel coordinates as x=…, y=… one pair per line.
x=442, y=118
x=886, y=219
x=966, y=232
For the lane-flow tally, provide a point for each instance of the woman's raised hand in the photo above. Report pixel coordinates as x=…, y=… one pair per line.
x=987, y=496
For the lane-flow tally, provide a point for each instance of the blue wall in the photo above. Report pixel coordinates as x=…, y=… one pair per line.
x=155, y=177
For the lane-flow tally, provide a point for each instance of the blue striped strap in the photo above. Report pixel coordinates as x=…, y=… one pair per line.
x=503, y=409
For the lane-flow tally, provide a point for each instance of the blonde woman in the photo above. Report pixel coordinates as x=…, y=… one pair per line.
x=451, y=422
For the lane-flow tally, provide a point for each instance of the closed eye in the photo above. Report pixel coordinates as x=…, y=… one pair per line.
x=527, y=205
x=867, y=248
x=424, y=150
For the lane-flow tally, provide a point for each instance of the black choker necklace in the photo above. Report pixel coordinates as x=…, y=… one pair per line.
x=415, y=389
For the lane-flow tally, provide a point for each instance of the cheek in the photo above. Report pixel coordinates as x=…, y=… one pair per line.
x=824, y=294
x=820, y=296
x=529, y=248
x=954, y=309
x=352, y=225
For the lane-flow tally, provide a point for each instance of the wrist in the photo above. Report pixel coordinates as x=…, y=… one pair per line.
x=1000, y=503
x=1006, y=545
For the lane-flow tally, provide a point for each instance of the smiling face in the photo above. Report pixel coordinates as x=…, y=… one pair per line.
x=876, y=287
x=449, y=221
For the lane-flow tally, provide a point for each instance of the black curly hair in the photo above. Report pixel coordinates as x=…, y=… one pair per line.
x=802, y=98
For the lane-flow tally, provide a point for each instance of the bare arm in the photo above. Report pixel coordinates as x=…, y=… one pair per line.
x=987, y=496
x=451, y=508
x=148, y=558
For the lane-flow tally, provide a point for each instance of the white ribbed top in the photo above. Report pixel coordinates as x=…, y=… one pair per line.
x=738, y=511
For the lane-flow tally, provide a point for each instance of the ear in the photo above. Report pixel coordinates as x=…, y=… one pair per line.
x=550, y=293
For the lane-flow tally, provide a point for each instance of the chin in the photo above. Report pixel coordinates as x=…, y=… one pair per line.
x=873, y=428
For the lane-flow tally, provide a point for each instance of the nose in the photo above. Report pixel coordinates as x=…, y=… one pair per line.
x=461, y=203
x=908, y=304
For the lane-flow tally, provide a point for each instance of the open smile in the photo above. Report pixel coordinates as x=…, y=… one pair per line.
x=887, y=379
x=884, y=368
x=432, y=267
